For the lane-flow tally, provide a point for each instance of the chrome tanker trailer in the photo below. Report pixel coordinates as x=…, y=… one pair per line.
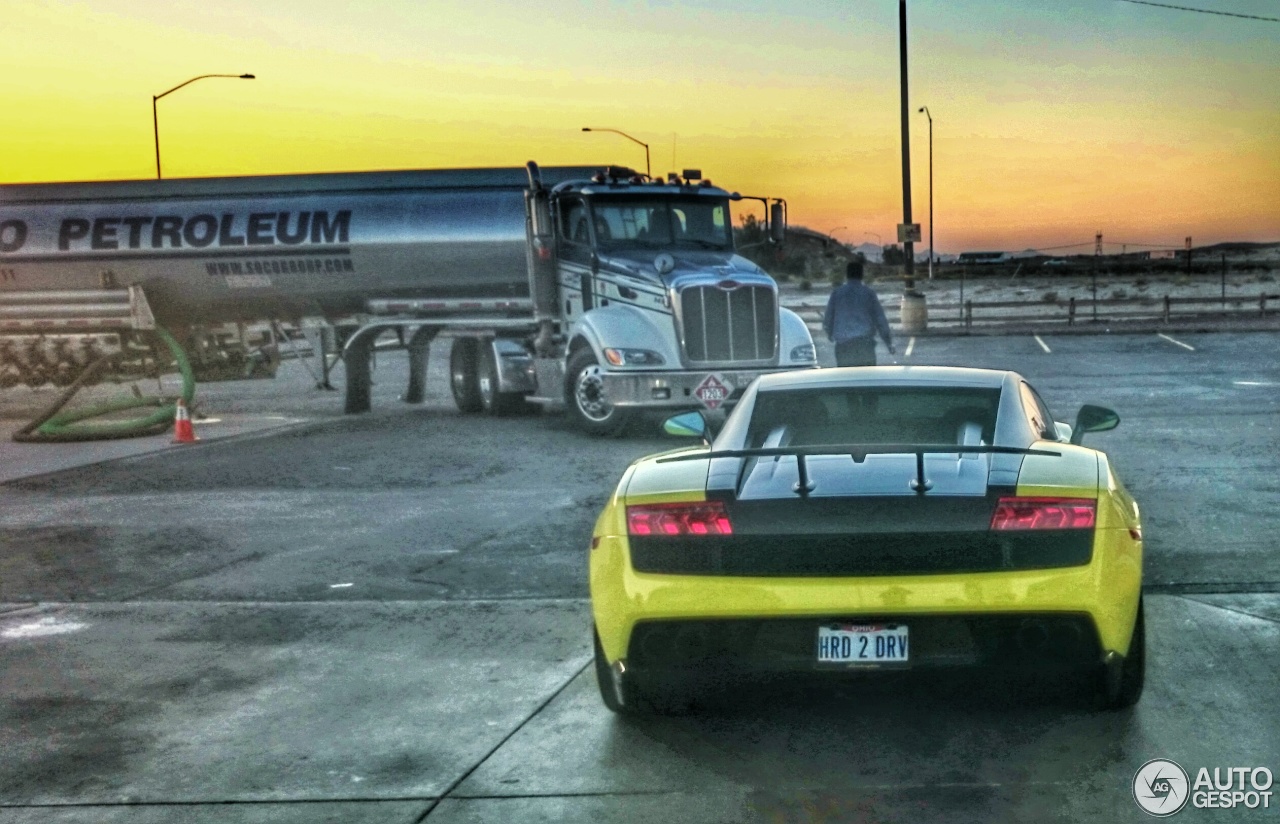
x=605, y=290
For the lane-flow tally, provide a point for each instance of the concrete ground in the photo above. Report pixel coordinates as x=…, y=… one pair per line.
x=384, y=618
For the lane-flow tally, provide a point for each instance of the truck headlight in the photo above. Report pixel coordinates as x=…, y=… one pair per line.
x=804, y=352
x=633, y=357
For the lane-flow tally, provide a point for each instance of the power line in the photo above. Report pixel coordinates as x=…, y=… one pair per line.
x=1203, y=11
x=1064, y=246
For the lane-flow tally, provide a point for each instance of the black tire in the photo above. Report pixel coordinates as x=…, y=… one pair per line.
x=464, y=374
x=586, y=400
x=1122, y=685
x=491, y=400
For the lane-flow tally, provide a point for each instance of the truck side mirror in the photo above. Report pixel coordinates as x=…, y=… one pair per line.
x=1092, y=418
x=777, y=222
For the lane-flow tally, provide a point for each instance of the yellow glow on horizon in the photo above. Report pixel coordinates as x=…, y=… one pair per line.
x=1038, y=139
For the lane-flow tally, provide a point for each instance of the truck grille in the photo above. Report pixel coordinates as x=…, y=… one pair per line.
x=729, y=325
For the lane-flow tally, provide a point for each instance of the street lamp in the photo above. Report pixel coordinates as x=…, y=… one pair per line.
x=925, y=110
x=155, y=122
x=633, y=140
x=832, y=233
x=879, y=242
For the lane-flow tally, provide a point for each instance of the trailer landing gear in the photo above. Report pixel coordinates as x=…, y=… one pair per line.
x=419, y=347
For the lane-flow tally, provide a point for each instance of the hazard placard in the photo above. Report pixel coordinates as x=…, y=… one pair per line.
x=713, y=391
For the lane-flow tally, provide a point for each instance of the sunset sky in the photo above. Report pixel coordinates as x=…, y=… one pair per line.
x=1052, y=120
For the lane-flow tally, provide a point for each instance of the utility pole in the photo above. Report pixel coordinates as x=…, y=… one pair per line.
x=1224, y=280
x=908, y=246
x=1097, y=254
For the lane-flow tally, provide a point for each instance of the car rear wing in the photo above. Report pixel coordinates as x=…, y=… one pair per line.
x=859, y=453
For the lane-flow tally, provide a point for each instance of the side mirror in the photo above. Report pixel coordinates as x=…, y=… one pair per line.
x=1092, y=418
x=777, y=222
x=686, y=425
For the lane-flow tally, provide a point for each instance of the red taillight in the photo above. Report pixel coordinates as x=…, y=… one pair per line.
x=1044, y=513
x=696, y=518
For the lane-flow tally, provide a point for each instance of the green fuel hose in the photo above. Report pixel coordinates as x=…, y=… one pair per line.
x=54, y=426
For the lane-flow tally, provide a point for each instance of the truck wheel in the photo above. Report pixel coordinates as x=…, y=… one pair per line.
x=586, y=398
x=464, y=374
x=1122, y=686
x=491, y=400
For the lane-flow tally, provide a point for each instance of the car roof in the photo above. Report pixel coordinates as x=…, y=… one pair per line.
x=853, y=376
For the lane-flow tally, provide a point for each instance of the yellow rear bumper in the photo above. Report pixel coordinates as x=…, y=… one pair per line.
x=1107, y=589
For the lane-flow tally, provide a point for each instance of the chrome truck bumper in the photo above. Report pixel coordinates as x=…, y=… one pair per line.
x=678, y=389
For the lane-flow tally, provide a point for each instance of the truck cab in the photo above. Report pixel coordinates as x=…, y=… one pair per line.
x=658, y=309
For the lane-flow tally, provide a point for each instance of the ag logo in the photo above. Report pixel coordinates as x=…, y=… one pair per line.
x=1161, y=787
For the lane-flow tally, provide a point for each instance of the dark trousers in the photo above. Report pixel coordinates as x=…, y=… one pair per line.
x=856, y=352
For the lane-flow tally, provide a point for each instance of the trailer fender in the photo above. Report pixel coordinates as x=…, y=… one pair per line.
x=624, y=327
x=792, y=332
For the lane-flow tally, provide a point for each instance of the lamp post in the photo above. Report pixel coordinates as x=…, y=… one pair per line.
x=832, y=232
x=925, y=110
x=155, y=121
x=633, y=140
x=908, y=247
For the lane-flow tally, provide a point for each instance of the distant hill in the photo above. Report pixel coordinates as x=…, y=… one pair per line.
x=1235, y=248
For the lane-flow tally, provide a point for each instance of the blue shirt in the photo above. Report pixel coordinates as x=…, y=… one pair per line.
x=854, y=312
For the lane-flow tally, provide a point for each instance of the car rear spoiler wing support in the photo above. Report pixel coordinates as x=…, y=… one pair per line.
x=859, y=453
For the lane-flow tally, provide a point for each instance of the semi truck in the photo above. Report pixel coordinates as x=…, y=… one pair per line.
x=596, y=287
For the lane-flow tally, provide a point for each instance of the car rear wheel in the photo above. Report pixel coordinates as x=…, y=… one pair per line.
x=608, y=691
x=464, y=374
x=1122, y=684
x=633, y=696
x=587, y=399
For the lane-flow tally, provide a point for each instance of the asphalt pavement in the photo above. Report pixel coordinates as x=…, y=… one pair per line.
x=383, y=618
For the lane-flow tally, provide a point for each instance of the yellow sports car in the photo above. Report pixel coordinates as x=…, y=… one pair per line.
x=869, y=518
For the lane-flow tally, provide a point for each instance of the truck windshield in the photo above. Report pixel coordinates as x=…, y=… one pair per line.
x=662, y=222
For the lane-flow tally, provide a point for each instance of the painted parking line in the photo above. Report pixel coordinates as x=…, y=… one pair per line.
x=911, y=344
x=1186, y=346
x=1043, y=345
x=1254, y=383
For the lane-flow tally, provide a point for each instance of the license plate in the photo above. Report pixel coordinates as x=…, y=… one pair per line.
x=862, y=644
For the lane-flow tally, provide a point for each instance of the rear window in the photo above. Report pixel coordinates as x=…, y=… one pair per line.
x=910, y=415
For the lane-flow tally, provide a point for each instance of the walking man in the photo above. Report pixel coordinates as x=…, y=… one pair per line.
x=853, y=317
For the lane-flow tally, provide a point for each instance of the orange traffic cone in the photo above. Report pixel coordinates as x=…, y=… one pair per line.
x=182, y=431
